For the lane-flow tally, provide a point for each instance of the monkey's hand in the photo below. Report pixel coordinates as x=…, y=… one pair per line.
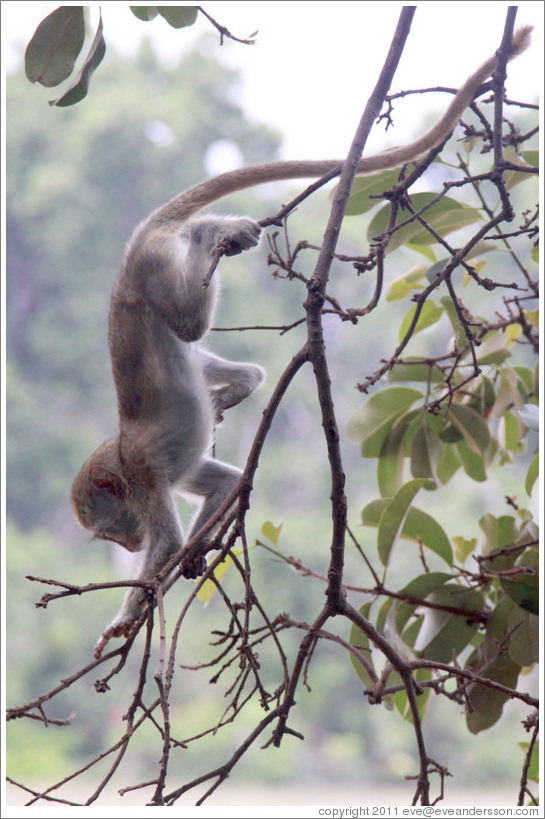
x=195, y=568
x=238, y=234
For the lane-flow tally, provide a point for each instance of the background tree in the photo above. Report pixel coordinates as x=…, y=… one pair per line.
x=462, y=411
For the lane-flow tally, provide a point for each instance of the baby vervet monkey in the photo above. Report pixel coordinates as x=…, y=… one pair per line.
x=170, y=389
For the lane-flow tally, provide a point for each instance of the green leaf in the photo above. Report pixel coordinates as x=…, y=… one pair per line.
x=448, y=464
x=422, y=528
x=364, y=187
x=524, y=589
x=425, y=454
x=486, y=704
x=532, y=474
x=444, y=216
x=425, y=250
x=209, y=588
x=453, y=632
x=179, y=16
x=498, y=532
x=532, y=158
x=370, y=424
x=52, y=52
x=525, y=381
x=429, y=314
x=418, y=526
x=145, y=13
x=423, y=700
x=393, y=518
x=472, y=462
x=510, y=432
x=271, y=531
x=463, y=547
x=425, y=584
x=415, y=370
x=78, y=89
x=457, y=326
x=391, y=461
x=524, y=640
x=436, y=269
x=447, y=222
x=403, y=285
x=472, y=426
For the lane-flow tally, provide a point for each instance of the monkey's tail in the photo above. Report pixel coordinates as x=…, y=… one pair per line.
x=192, y=200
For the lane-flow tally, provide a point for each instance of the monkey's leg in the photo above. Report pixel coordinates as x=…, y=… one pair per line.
x=230, y=382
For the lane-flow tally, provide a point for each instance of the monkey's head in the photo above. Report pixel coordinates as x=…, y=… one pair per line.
x=101, y=500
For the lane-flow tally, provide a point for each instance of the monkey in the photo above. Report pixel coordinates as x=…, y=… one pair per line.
x=170, y=389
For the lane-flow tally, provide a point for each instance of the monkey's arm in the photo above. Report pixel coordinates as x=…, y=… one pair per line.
x=166, y=266
x=162, y=539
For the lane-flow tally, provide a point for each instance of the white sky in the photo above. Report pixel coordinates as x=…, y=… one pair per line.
x=315, y=63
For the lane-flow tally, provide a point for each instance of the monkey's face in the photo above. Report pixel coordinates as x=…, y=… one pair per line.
x=107, y=516
x=102, y=502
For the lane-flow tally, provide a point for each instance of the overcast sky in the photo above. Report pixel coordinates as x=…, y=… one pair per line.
x=315, y=63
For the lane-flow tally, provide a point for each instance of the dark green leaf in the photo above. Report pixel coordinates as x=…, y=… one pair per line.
x=453, y=632
x=486, y=704
x=179, y=16
x=524, y=637
x=370, y=424
x=145, y=13
x=78, y=89
x=524, y=588
x=52, y=52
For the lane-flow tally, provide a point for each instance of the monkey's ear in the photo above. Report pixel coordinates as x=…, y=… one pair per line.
x=111, y=482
